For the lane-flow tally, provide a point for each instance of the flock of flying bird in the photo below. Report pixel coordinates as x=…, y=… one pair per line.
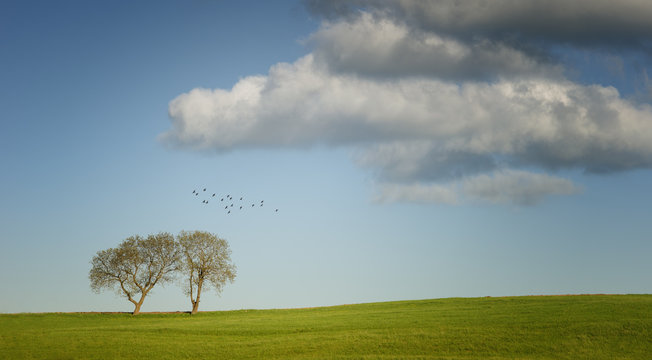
x=227, y=201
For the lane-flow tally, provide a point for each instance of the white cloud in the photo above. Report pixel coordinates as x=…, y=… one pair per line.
x=204, y=118
x=540, y=122
x=419, y=111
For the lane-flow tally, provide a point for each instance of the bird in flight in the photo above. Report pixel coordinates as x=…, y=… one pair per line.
x=228, y=207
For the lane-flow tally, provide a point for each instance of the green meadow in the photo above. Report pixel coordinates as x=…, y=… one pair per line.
x=537, y=327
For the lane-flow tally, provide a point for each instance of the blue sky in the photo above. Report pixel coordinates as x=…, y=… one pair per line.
x=410, y=157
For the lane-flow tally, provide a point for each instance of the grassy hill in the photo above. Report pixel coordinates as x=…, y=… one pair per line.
x=541, y=327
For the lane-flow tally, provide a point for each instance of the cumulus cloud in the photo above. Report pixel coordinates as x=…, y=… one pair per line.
x=436, y=116
x=554, y=124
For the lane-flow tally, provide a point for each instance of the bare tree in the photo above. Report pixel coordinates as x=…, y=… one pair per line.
x=135, y=266
x=206, y=261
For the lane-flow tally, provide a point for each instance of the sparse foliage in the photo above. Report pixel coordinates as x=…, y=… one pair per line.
x=206, y=262
x=135, y=266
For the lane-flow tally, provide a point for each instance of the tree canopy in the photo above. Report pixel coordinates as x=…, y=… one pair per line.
x=206, y=262
x=134, y=267
x=202, y=260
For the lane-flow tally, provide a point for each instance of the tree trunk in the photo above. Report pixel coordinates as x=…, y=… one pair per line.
x=139, y=303
x=195, y=303
x=137, y=309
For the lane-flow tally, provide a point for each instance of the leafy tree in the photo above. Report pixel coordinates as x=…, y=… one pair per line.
x=206, y=262
x=135, y=266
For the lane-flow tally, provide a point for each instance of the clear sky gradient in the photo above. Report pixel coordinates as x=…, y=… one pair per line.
x=412, y=151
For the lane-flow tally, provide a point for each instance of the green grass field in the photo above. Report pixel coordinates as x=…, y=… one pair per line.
x=544, y=327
